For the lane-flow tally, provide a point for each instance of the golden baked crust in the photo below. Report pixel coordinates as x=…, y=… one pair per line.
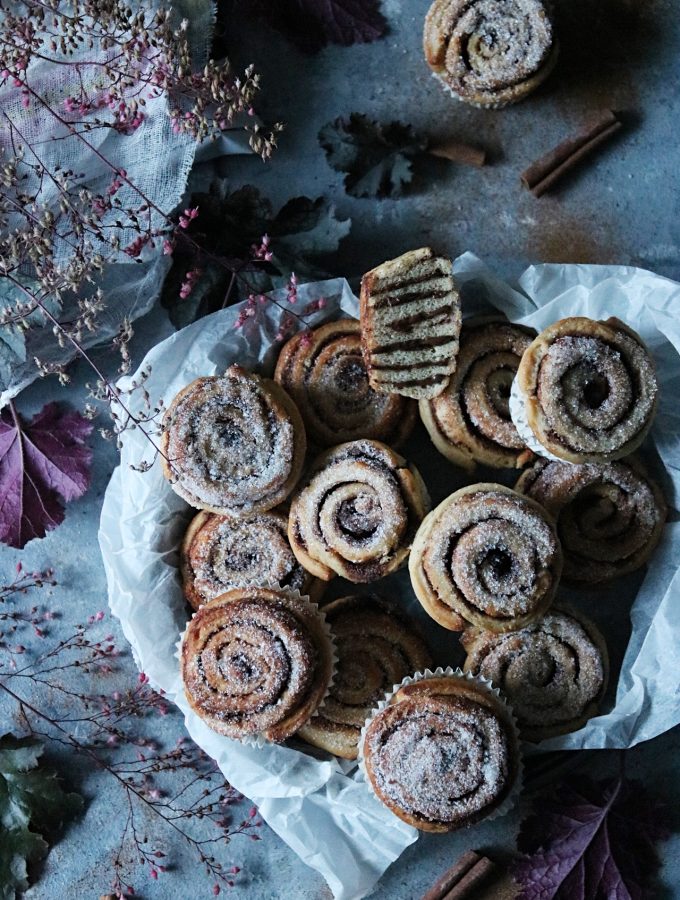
x=219, y=553
x=609, y=517
x=357, y=512
x=553, y=672
x=589, y=389
x=256, y=662
x=325, y=374
x=486, y=556
x=233, y=444
x=490, y=53
x=377, y=646
x=469, y=422
x=443, y=753
x=410, y=321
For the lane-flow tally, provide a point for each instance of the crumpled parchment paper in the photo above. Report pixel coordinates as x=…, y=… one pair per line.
x=319, y=806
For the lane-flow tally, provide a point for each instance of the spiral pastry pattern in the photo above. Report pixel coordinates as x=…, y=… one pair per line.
x=553, y=672
x=325, y=374
x=233, y=444
x=486, y=556
x=376, y=647
x=442, y=754
x=219, y=553
x=609, y=518
x=470, y=421
x=358, y=512
x=490, y=53
x=585, y=390
x=256, y=662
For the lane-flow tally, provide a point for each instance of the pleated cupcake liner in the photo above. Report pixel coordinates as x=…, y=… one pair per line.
x=458, y=675
x=257, y=739
x=518, y=415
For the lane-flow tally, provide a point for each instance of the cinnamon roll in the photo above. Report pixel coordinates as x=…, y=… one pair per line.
x=490, y=53
x=553, y=672
x=357, y=513
x=486, y=556
x=609, y=518
x=470, y=421
x=256, y=662
x=219, y=553
x=233, y=444
x=377, y=647
x=585, y=391
x=325, y=374
x=442, y=754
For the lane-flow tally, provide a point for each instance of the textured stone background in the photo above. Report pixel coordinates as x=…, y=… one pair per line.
x=622, y=207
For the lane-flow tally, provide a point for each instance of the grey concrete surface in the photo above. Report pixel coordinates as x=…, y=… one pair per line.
x=621, y=207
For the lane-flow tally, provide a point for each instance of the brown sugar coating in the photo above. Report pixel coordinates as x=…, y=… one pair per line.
x=469, y=422
x=486, y=556
x=233, y=444
x=443, y=754
x=552, y=672
x=609, y=517
x=325, y=374
x=588, y=390
x=357, y=513
x=220, y=553
x=377, y=646
x=490, y=53
x=256, y=661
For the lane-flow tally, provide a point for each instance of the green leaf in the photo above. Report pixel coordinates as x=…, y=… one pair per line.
x=375, y=158
x=30, y=797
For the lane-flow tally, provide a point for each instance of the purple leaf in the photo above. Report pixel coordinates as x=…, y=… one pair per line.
x=312, y=24
x=42, y=463
x=596, y=841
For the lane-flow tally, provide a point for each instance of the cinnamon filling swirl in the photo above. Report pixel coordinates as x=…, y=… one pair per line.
x=324, y=372
x=553, y=672
x=486, y=556
x=256, y=662
x=357, y=513
x=609, y=518
x=442, y=754
x=490, y=53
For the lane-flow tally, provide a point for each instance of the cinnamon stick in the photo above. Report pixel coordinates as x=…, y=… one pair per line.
x=469, y=883
x=458, y=152
x=452, y=876
x=543, y=174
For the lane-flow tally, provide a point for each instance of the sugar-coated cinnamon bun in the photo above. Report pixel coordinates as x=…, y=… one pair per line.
x=552, y=672
x=585, y=391
x=609, y=517
x=256, y=662
x=220, y=553
x=486, y=556
x=357, y=513
x=470, y=421
x=490, y=53
x=442, y=754
x=325, y=374
x=377, y=646
x=233, y=444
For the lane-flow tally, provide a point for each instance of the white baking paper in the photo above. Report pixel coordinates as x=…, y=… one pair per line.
x=320, y=807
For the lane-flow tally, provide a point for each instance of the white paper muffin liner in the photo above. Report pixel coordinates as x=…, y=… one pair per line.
x=458, y=675
x=519, y=419
x=258, y=739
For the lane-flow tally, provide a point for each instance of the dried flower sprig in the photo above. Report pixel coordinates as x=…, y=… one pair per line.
x=111, y=730
x=57, y=231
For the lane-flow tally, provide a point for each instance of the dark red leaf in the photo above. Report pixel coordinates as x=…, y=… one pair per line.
x=42, y=463
x=593, y=841
x=312, y=24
